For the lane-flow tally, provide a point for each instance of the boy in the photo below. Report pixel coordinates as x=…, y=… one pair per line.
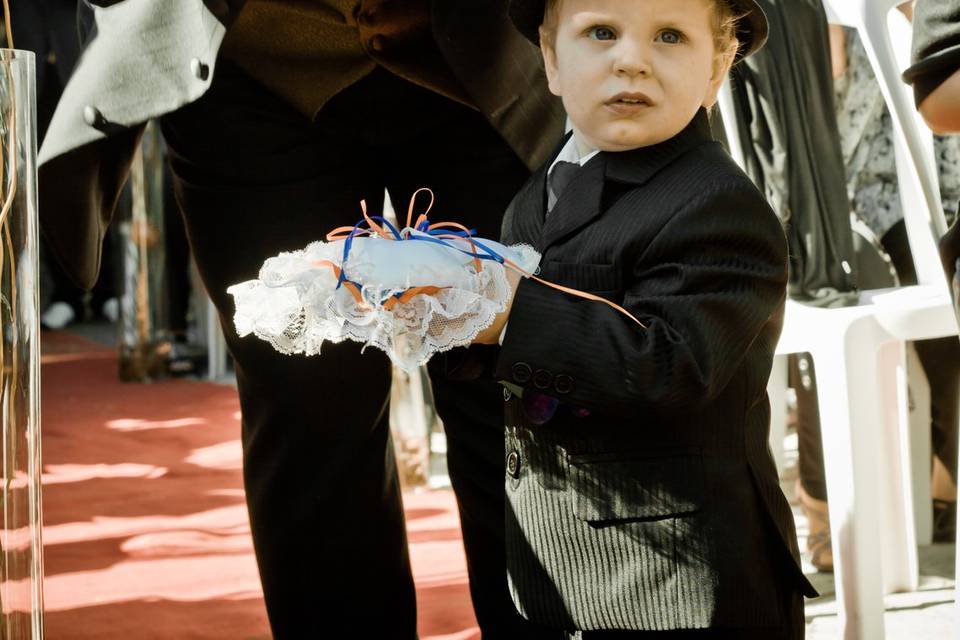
x=641, y=493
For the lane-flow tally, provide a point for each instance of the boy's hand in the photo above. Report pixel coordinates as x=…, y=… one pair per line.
x=491, y=335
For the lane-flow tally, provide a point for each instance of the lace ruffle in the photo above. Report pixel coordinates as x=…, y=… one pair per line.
x=295, y=304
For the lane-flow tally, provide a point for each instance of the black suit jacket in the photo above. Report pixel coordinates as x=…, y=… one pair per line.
x=143, y=60
x=662, y=508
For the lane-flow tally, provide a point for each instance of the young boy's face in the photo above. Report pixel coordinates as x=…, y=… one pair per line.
x=633, y=73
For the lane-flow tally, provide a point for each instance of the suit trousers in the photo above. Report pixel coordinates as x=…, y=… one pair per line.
x=253, y=178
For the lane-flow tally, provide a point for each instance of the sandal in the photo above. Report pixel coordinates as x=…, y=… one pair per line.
x=819, y=541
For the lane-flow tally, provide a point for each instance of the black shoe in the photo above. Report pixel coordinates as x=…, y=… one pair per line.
x=944, y=521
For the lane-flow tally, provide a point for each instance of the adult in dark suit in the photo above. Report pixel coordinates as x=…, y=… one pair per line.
x=280, y=117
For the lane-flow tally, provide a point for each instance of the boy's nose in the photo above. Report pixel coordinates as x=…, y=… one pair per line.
x=631, y=59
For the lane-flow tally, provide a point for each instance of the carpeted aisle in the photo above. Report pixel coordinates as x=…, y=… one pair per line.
x=145, y=529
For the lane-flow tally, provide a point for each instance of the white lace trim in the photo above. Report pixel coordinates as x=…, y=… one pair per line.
x=295, y=305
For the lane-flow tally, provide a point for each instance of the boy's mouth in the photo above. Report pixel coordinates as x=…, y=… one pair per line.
x=628, y=104
x=630, y=99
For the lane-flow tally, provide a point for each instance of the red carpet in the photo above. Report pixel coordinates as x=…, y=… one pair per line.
x=145, y=529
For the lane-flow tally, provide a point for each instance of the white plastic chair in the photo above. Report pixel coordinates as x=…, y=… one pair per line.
x=859, y=354
x=886, y=36
x=935, y=317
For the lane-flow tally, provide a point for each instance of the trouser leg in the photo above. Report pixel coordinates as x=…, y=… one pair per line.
x=809, y=442
x=254, y=179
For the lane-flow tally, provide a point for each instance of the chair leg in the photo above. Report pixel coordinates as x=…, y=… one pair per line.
x=849, y=417
x=956, y=578
x=777, y=392
x=900, y=563
x=921, y=450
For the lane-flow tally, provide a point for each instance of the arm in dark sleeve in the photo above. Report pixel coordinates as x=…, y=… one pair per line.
x=704, y=287
x=936, y=46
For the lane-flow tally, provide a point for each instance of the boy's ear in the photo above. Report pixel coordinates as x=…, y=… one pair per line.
x=721, y=69
x=549, y=62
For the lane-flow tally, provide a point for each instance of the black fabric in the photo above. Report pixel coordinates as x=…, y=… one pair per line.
x=641, y=510
x=940, y=358
x=48, y=28
x=784, y=99
x=936, y=46
x=560, y=176
x=950, y=254
x=176, y=258
x=254, y=178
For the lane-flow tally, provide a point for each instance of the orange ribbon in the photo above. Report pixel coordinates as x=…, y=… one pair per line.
x=342, y=233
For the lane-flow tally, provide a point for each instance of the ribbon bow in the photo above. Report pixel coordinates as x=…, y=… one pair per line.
x=442, y=233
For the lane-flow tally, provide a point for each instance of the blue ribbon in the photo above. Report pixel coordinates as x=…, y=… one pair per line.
x=423, y=227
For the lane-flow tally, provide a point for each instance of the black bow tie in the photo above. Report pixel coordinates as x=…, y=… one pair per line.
x=560, y=176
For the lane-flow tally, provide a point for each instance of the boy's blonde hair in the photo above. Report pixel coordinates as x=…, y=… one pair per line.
x=724, y=33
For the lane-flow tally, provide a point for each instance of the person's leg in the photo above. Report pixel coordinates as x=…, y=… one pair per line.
x=176, y=257
x=941, y=362
x=254, y=178
x=804, y=383
x=812, y=481
x=474, y=175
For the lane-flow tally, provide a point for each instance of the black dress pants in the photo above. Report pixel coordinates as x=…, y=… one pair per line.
x=254, y=177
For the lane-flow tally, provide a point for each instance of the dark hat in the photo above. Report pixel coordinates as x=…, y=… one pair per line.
x=527, y=15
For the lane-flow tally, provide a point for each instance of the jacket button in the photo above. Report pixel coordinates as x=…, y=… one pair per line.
x=542, y=379
x=507, y=395
x=199, y=70
x=521, y=372
x=93, y=117
x=513, y=464
x=563, y=384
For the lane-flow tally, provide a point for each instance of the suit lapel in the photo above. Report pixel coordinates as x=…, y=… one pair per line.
x=531, y=204
x=582, y=200
x=527, y=221
x=578, y=205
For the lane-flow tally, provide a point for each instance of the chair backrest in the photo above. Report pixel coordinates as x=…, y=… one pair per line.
x=886, y=36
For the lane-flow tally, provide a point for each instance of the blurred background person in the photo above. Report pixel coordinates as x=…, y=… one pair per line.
x=49, y=29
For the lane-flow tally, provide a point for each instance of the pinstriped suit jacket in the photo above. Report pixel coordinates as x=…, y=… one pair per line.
x=661, y=509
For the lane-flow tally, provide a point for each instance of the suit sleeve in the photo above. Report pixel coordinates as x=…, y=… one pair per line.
x=704, y=287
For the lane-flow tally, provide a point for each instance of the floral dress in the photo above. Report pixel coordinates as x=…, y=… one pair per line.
x=866, y=139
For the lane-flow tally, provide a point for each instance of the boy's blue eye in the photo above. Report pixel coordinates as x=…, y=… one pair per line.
x=602, y=33
x=670, y=37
